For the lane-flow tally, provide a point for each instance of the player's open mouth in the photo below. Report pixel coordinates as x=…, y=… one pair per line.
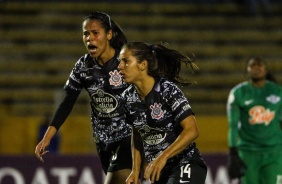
x=92, y=48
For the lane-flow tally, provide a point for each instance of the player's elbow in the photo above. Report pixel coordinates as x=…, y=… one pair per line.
x=196, y=133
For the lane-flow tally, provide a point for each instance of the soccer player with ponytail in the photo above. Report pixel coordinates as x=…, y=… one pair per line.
x=164, y=125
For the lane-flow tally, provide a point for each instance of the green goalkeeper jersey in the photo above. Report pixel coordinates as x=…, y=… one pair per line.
x=254, y=117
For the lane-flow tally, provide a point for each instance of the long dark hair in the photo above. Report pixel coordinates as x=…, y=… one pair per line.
x=162, y=61
x=119, y=38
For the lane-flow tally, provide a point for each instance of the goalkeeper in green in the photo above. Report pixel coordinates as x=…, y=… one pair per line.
x=254, y=111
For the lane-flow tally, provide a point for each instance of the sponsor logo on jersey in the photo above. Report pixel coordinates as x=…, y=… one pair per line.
x=104, y=102
x=157, y=112
x=152, y=136
x=273, y=99
x=260, y=115
x=115, y=78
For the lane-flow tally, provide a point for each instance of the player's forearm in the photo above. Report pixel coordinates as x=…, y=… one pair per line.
x=136, y=160
x=136, y=147
x=232, y=136
x=49, y=134
x=233, y=117
x=186, y=137
x=179, y=145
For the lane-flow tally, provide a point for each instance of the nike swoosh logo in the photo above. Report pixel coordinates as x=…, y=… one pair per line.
x=132, y=112
x=248, y=102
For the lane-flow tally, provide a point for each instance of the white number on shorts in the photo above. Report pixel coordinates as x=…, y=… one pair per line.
x=185, y=169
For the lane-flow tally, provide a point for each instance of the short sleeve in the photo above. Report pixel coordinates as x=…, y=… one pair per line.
x=74, y=81
x=179, y=104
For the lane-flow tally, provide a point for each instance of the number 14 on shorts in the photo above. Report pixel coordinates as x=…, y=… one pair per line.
x=185, y=173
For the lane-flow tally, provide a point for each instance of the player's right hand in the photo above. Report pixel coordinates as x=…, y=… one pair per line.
x=40, y=149
x=133, y=178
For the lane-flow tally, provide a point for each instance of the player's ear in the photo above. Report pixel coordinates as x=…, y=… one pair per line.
x=110, y=35
x=143, y=65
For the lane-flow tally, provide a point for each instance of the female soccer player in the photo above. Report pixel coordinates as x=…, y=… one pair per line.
x=254, y=111
x=163, y=121
x=97, y=73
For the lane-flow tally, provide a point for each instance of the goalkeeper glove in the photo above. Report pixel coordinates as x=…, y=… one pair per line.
x=235, y=166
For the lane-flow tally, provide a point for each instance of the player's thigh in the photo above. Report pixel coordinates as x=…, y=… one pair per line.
x=252, y=174
x=272, y=171
x=250, y=178
x=253, y=163
x=117, y=177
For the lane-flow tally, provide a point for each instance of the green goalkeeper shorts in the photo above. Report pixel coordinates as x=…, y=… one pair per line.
x=262, y=167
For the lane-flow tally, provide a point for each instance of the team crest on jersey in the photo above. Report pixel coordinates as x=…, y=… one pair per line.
x=157, y=112
x=115, y=79
x=260, y=115
x=273, y=99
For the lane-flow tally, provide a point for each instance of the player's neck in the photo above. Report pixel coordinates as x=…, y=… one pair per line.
x=106, y=56
x=258, y=83
x=144, y=88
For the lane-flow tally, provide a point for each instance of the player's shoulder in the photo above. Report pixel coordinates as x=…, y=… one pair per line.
x=274, y=86
x=83, y=59
x=271, y=83
x=241, y=86
x=164, y=83
x=165, y=88
x=128, y=91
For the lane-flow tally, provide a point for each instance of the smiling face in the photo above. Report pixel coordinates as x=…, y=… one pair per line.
x=95, y=38
x=130, y=69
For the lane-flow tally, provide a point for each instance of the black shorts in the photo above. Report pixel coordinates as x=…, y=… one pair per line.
x=191, y=173
x=184, y=170
x=116, y=156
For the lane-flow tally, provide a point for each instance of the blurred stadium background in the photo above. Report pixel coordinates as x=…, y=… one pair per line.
x=41, y=41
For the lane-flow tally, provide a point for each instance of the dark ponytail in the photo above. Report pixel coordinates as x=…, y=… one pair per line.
x=162, y=61
x=119, y=38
